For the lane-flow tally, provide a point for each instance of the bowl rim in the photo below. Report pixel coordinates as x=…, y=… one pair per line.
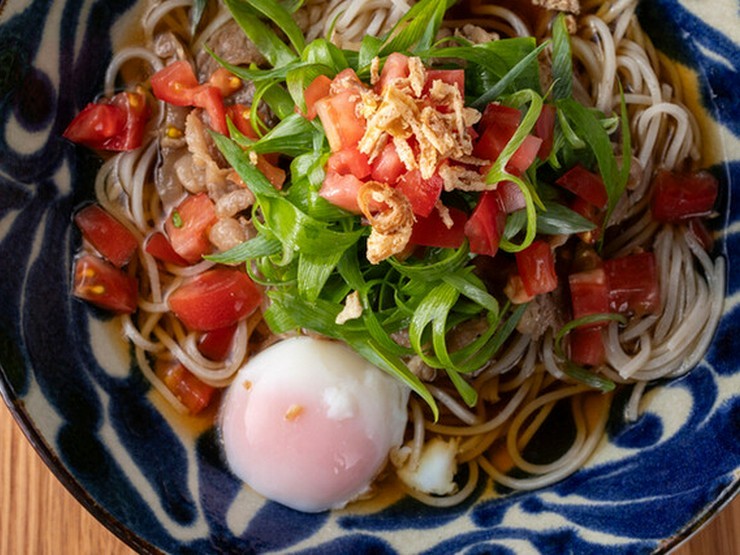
x=53, y=462
x=23, y=419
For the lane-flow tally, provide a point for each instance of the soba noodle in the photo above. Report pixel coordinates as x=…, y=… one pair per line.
x=521, y=387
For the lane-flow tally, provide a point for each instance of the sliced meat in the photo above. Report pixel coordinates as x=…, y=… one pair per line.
x=231, y=44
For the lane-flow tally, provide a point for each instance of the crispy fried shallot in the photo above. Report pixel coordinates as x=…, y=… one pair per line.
x=391, y=223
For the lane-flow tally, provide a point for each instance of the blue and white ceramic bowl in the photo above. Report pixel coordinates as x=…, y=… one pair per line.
x=164, y=487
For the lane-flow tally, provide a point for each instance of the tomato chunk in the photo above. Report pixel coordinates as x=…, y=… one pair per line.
x=216, y=344
x=422, y=193
x=587, y=346
x=188, y=224
x=633, y=284
x=486, y=225
x=536, y=266
x=498, y=124
x=432, y=231
x=545, y=130
x=349, y=161
x=274, y=174
x=239, y=114
x=318, y=89
x=110, y=237
x=589, y=294
x=500, y=116
x=680, y=196
x=226, y=82
x=95, y=125
x=189, y=390
x=387, y=166
x=343, y=127
x=396, y=66
x=454, y=77
x=585, y=184
x=341, y=191
x=215, y=299
x=160, y=248
x=209, y=98
x=104, y=285
x=175, y=83
x=178, y=85
x=116, y=124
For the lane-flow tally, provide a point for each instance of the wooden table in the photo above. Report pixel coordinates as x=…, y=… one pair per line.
x=38, y=516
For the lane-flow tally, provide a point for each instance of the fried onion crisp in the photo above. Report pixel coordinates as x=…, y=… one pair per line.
x=391, y=222
x=401, y=111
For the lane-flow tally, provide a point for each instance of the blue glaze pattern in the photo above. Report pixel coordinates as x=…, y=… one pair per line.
x=162, y=488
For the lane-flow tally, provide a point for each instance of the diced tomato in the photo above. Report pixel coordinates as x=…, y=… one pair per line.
x=589, y=293
x=585, y=184
x=341, y=191
x=525, y=155
x=680, y=196
x=116, y=124
x=486, y=225
x=178, y=85
x=349, y=161
x=239, y=114
x=587, y=346
x=511, y=196
x=423, y=194
x=134, y=106
x=318, y=89
x=387, y=166
x=274, y=174
x=188, y=224
x=215, y=299
x=175, y=83
x=633, y=284
x=210, y=99
x=454, y=77
x=104, y=285
x=160, y=248
x=536, y=266
x=96, y=124
x=226, y=82
x=494, y=139
x=432, y=231
x=216, y=344
x=343, y=126
x=545, y=130
x=189, y=390
x=347, y=80
x=396, y=66
x=110, y=237
x=501, y=116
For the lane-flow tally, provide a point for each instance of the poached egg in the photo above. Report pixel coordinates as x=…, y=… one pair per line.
x=309, y=423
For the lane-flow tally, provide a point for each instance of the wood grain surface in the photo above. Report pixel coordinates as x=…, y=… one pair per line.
x=38, y=516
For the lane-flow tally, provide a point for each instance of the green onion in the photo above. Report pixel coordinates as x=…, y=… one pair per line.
x=562, y=60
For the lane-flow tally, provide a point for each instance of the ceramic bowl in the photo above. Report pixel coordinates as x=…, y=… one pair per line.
x=162, y=485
